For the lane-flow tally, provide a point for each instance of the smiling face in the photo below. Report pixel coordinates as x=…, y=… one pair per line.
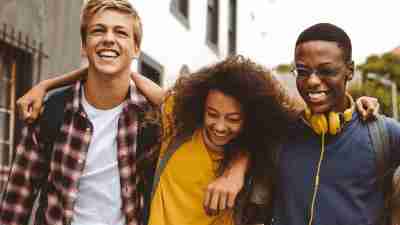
x=325, y=90
x=109, y=44
x=223, y=119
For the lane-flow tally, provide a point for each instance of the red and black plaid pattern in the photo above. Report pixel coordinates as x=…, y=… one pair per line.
x=31, y=170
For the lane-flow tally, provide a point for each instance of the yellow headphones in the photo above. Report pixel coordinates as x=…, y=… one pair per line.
x=333, y=124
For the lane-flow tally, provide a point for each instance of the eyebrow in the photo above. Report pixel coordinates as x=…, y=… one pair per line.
x=229, y=114
x=96, y=25
x=319, y=65
x=103, y=26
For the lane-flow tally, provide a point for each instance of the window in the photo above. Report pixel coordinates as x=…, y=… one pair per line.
x=212, y=24
x=180, y=9
x=7, y=99
x=232, y=27
x=149, y=68
x=183, y=7
x=13, y=63
x=17, y=54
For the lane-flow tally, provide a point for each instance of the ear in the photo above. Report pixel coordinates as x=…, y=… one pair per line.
x=83, y=50
x=350, y=71
x=136, y=52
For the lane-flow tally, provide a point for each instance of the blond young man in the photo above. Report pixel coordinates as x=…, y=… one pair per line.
x=92, y=175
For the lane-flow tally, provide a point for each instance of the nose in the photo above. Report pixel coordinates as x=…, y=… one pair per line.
x=109, y=38
x=313, y=80
x=220, y=126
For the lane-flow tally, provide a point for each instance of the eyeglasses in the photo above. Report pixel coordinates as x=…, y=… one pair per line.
x=303, y=72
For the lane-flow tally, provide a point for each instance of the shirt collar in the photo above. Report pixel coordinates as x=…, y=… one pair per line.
x=135, y=98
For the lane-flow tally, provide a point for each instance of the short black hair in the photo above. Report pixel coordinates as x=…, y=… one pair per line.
x=327, y=32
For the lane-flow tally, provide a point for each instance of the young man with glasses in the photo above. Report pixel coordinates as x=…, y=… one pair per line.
x=327, y=166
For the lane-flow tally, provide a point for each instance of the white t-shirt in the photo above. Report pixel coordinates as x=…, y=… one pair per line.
x=99, y=191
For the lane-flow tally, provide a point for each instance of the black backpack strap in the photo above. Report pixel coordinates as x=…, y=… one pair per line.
x=381, y=144
x=52, y=117
x=380, y=139
x=50, y=123
x=148, y=144
x=176, y=142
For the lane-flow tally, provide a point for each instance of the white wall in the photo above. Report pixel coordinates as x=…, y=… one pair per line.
x=171, y=44
x=254, y=25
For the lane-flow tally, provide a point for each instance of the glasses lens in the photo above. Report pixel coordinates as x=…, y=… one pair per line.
x=302, y=72
x=327, y=72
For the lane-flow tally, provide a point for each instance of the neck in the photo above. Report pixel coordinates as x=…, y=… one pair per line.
x=348, y=103
x=106, y=91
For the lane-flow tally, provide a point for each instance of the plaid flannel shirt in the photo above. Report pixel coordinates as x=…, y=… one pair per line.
x=30, y=170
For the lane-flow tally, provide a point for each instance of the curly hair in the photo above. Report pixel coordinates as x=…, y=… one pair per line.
x=265, y=103
x=267, y=109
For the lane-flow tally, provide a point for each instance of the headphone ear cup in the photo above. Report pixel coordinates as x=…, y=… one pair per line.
x=319, y=123
x=334, y=123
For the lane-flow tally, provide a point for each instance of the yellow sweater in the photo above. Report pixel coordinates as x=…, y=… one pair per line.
x=178, y=199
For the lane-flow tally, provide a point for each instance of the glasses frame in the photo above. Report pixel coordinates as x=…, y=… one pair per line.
x=317, y=72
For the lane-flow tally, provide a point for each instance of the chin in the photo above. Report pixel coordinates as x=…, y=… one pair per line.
x=220, y=143
x=320, y=109
x=108, y=70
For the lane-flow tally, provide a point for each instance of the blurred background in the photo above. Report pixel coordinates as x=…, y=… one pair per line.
x=40, y=39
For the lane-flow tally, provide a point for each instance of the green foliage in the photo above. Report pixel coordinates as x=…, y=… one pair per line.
x=284, y=68
x=373, y=64
x=386, y=65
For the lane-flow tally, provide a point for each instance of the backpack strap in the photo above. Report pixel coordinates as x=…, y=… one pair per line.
x=176, y=142
x=50, y=123
x=147, y=150
x=52, y=117
x=380, y=138
x=381, y=144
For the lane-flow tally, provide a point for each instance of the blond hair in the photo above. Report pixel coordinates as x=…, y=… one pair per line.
x=92, y=7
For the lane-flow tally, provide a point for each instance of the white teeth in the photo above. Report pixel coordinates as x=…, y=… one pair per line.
x=317, y=95
x=108, y=54
x=219, y=135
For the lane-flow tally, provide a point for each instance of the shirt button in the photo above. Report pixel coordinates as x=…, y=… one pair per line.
x=126, y=189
